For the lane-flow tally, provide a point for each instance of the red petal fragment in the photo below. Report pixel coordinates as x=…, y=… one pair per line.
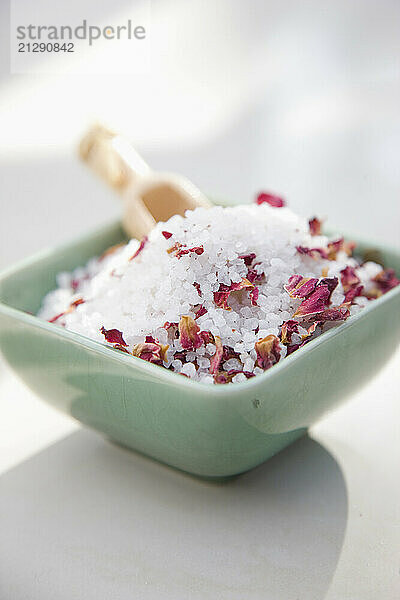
x=141, y=246
x=207, y=337
x=234, y=372
x=336, y=313
x=154, y=353
x=71, y=307
x=216, y=359
x=330, y=282
x=221, y=300
x=53, y=319
x=166, y=234
x=119, y=347
x=200, y=312
x=189, y=333
x=174, y=248
x=271, y=199
x=149, y=339
x=197, y=286
x=349, y=278
x=113, y=336
x=221, y=297
x=248, y=258
x=334, y=248
x=287, y=330
x=254, y=296
x=315, y=226
x=76, y=303
x=167, y=325
x=180, y=250
x=315, y=303
x=300, y=287
x=268, y=351
x=315, y=253
x=386, y=280
x=353, y=292
x=222, y=377
x=228, y=353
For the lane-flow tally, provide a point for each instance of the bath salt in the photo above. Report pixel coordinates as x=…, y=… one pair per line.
x=221, y=294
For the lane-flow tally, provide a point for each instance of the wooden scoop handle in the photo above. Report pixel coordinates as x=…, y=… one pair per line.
x=148, y=196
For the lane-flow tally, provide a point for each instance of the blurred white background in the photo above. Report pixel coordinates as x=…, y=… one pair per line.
x=300, y=98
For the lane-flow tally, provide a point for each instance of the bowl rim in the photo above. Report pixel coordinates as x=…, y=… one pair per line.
x=155, y=370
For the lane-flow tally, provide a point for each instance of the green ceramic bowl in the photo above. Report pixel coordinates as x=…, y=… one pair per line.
x=212, y=431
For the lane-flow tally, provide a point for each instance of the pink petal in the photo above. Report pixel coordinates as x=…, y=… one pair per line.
x=271, y=199
x=113, y=336
x=189, y=333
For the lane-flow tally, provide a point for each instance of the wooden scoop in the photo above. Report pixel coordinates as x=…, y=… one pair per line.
x=148, y=196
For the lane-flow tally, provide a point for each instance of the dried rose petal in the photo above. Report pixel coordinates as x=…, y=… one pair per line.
x=119, y=347
x=200, y=312
x=113, y=336
x=315, y=303
x=311, y=330
x=167, y=325
x=54, y=319
x=152, y=352
x=189, y=333
x=300, y=287
x=248, y=258
x=349, y=278
x=353, y=292
x=315, y=253
x=166, y=234
x=216, y=359
x=271, y=199
x=254, y=293
x=330, y=282
x=287, y=330
x=197, y=286
x=180, y=356
x=386, y=280
x=180, y=250
x=315, y=226
x=234, y=372
x=334, y=248
x=335, y=313
x=221, y=297
x=141, y=246
x=174, y=248
x=71, y=308
x=222, y=377
x=76, y=303
x=228, y=353
x=268, y=351
x=207, y=337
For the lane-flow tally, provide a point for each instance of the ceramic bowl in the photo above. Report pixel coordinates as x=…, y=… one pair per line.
x=211, y=431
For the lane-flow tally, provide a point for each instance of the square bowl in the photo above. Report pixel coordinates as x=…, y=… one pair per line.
x=211, y=431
